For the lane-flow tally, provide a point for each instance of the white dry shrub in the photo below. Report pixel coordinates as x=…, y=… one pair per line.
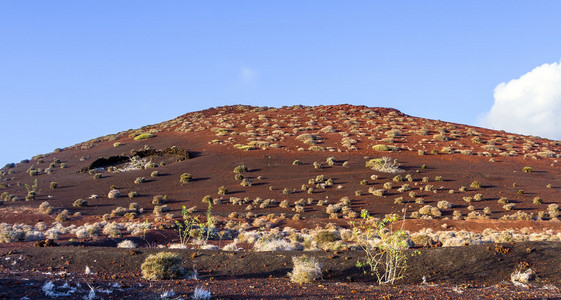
x=94, y=229
x=34, y=235
x=209, y=247
x=9, y=234
x=81, y=232
x=233, y=246
x=126, y=244
x=41, y=226
x=113, y=229
x=384, y=165
x=177, y=246
x=248, y=237
x=520, y=278
x=167, y=294
x=137, y=228
x=454, y=242
x=136, y=163
x=201, y=294
x=306, y=269
x=273, y=244
x=53, y=233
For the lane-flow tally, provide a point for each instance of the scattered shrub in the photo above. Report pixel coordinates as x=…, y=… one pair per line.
x=131, y=215
x=163, y=265
x=240, y=169
x=200, y=293
x=306, y=269
x=143, y=136
x=114, y=193
x=62, y=217
x=185, y=177
x=126, y=244
x=384, y=164
x=30, y=196
x=53, y=185
x=207, y=199
x=246, y=182
x=45, y=208
x=159, y=199
x=382, y=147
x=476, y=185
x=222, y=190
x=444, y=204
x=158, y=210
x=119, y=211
x=80, y=203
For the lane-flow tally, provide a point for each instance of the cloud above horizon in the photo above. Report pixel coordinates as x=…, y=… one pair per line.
x=248, y=75
x=530, y=104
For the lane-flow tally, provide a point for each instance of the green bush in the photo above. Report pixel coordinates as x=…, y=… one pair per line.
x=80, y=203
x=207, y=199
x=222, y=190
x=143, y=136
x=326, y=236
x=163, y=265
x=240, y=169
x=185, y=177
x=246, y=182
x=381, y=147
x=62, y=217
x=159, y=199
x=476, y=185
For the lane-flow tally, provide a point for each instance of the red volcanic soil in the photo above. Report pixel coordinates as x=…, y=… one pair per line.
x=441, y=161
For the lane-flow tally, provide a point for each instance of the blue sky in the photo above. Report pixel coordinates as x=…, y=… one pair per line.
x=74, y=70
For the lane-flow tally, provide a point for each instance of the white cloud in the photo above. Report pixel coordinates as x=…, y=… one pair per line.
x=248, y=75
x=530, y=104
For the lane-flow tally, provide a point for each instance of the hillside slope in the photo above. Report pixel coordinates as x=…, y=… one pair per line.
x=299, y=161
